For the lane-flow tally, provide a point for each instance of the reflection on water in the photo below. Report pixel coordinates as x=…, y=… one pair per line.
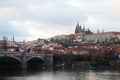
x=59, y=74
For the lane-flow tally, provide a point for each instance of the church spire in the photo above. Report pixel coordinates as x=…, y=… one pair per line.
x=80, y=28
x=102, y=30
x=83, y=27
x=77, y=24
x=13, y=39
x=98, y=31
x=77, y=28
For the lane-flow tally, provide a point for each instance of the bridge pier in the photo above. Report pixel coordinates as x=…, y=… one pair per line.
x=49, y=60
x=24, y=63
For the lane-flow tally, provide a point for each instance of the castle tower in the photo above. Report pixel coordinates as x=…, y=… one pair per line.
x=98, y=31
x=80, y=29
x=83, y=27
x=102, y=30
x=77, y=28
x=13, y=39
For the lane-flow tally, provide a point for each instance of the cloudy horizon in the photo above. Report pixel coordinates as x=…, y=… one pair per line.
x=32, y=19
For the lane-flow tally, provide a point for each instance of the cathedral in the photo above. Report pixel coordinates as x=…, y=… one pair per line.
x=82, y=29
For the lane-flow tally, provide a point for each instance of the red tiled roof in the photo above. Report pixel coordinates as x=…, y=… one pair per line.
x=114, y=33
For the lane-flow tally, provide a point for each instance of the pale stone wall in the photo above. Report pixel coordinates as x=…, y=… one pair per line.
x=98, y=37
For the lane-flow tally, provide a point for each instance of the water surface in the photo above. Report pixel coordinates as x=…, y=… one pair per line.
x=59, y=74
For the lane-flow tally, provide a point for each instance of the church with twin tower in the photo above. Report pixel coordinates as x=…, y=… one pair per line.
x=82, y=29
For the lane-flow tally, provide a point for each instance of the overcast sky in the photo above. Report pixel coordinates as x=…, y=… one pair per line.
x=32, y=19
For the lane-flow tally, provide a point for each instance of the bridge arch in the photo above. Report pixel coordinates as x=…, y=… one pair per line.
x=9, y=59
x=35, y=58
x=8, y=62
x=35, y=62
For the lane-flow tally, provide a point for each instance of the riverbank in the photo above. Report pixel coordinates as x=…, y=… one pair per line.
x=91, y=60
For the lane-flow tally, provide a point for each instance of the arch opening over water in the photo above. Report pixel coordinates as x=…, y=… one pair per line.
x=9, y=62
x=35, y=62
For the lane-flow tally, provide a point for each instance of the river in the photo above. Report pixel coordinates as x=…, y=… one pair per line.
x=59, y=74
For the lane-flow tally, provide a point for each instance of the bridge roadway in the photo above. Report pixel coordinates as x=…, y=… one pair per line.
x=24, y=57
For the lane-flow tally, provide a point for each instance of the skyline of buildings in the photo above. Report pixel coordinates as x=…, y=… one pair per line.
x=80, y=30
x=82, y=40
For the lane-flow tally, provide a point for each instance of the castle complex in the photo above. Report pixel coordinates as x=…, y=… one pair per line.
x=85, y=35
x=90, y=37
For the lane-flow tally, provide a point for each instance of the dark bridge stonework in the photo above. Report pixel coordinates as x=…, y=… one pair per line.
x=23, y=58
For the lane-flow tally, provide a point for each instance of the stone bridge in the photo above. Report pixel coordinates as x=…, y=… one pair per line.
x=24, y=58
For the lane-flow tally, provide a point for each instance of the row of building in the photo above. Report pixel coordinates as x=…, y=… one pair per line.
x=82, y=39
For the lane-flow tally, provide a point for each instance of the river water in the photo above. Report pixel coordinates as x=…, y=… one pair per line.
x=59, y=74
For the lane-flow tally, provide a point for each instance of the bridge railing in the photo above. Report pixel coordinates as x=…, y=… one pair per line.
x=12, y=54
x=6, y=52
x=34, y=54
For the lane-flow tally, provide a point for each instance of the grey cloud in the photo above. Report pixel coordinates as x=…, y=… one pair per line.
x=7, y=30
x=59, y=12
x=20, y=3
